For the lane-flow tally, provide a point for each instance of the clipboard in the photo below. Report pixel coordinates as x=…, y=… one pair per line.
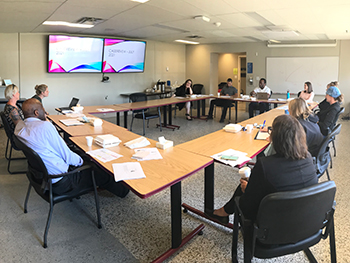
x=261, y=135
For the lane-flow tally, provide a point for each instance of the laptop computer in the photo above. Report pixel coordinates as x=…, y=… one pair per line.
x=73, y=103
x=262, y=96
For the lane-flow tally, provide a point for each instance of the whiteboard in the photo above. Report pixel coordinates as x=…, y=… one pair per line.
x=290, y=73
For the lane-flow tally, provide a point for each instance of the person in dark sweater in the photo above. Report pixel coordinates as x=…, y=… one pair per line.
x=182, y=91
x=324, y=104
x=291, y=168
x=327, y=115
x=299, y=109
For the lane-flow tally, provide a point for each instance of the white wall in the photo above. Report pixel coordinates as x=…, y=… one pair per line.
x=23, y=59
x=198, y=60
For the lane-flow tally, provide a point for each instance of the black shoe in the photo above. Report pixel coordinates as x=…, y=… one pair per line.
x=222, y=219
x=188, y=117
x=222, y=121
x=209, y=117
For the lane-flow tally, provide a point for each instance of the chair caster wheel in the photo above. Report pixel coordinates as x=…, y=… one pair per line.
x=25, y=211
x=200, y=233
x=99, y=226
x=45, y=245
x=185, y=210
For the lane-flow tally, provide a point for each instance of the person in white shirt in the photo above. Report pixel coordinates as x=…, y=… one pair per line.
x=261, y=106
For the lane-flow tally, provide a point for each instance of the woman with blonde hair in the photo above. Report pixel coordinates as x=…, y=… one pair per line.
x=299, y=109
x=12, y=111
x=41, y=91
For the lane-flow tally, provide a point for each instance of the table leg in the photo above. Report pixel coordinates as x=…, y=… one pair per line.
x=165, y=121
x=203, y=107
x=125, y=119
x=118, y=119
x=199, y=116
x=208, y=197
x=236, y=107
x=198, y=109
x=176, y=224
x=170, y=114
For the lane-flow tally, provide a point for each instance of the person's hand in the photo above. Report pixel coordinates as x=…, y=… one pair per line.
x=174, y=95
x=264, y=129
x=243, y=184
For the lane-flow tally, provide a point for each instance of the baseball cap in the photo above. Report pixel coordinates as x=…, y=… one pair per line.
x=333, y=92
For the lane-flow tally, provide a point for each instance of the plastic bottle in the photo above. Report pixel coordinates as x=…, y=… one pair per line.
x=288, y=94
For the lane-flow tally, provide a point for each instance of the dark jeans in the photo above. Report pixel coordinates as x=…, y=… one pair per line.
x=225, y=104
x=83, y=180
x=261, y=106
x=230, y=205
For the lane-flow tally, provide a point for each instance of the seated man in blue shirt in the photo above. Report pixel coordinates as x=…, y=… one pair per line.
x=42, y=137
x=228, y=90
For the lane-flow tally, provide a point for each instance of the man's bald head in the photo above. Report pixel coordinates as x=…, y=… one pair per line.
x=33, y=108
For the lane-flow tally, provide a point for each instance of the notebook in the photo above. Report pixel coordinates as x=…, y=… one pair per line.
x=73, y=103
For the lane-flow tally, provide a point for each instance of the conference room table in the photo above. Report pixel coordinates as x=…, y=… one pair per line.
x=166, y=104
x=220, y=141
x=86, y=129
x=236, y=100
x=114, y=108
x=176, y=165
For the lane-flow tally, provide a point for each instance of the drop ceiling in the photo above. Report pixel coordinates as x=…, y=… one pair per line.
x=168, y=20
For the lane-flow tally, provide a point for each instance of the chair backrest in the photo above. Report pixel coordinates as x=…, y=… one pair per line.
x=138, y=96
x=221, y=85
x=37, y=172
x=8, y=130
x=341, y=111
x=197, y=88
x=292, y=216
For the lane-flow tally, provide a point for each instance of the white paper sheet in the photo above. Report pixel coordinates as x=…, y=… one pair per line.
x=127, y=171
x=147, y=154
x=104, y=155
x=242, y=157
x=261, y=135
x=105, y=109
x=71, y=122
x=137, y=143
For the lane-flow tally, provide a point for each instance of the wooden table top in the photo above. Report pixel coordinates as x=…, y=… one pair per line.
x=160, y=102
x=113, y=107
x=176, y=165
x=221, y=140
x=249, y=100
x=86, y=129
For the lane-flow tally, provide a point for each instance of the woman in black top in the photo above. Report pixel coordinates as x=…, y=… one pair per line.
x=41, y=91
x=182, y=91
x=299, y=109
x=291, y=168
x=327, y=115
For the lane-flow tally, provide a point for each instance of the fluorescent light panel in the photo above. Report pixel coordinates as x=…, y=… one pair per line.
x=187, y=42
x=63, y=23
x=140, y=1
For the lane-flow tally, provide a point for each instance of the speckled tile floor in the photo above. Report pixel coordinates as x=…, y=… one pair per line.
x=137, y=230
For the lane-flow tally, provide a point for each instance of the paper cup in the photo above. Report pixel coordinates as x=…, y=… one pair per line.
x=89, y=140
x=219, y=94
x=244, y=173
x=249, y=128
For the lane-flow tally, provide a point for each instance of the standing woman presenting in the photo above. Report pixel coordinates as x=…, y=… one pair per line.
x=182, y=91
x=41, y=91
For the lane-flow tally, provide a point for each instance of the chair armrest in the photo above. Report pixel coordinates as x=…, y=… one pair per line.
x=76, y=170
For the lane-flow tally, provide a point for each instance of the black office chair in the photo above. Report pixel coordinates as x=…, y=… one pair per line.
x=143, y=114
x=341, y=111
x=10, y=145
x=323, y=158
x=221, y=85
x=334, y=132
x=41, y=181
x=288, y=222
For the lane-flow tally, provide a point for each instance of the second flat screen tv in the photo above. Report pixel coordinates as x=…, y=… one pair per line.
x=123, y=56
x=68, y=54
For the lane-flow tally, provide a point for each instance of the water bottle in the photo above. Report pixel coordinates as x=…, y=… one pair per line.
x=288, y=94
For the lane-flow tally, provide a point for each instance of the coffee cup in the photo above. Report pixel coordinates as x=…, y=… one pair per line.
x=89, y=140
x=249, y=128
x=245, y=173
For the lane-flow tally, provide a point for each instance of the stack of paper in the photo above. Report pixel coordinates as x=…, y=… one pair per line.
x=127, y=171
x=241, y=157
x=146, y=154
x=105, y=109
x=104, y=155
x=71, y=122
x=137, y=143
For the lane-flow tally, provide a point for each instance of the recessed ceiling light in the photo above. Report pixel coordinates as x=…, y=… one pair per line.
x=63, y=23
x=187, y=42
x=140, y=1
x=274, y=41
x=204, y=18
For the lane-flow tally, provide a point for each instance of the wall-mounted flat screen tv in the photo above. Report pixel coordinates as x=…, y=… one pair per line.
x=68, y=54
x=123, y=56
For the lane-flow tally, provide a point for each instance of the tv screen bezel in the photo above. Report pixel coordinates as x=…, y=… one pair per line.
x=74, y=72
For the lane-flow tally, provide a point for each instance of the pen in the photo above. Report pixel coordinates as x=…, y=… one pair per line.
x=264, y=124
